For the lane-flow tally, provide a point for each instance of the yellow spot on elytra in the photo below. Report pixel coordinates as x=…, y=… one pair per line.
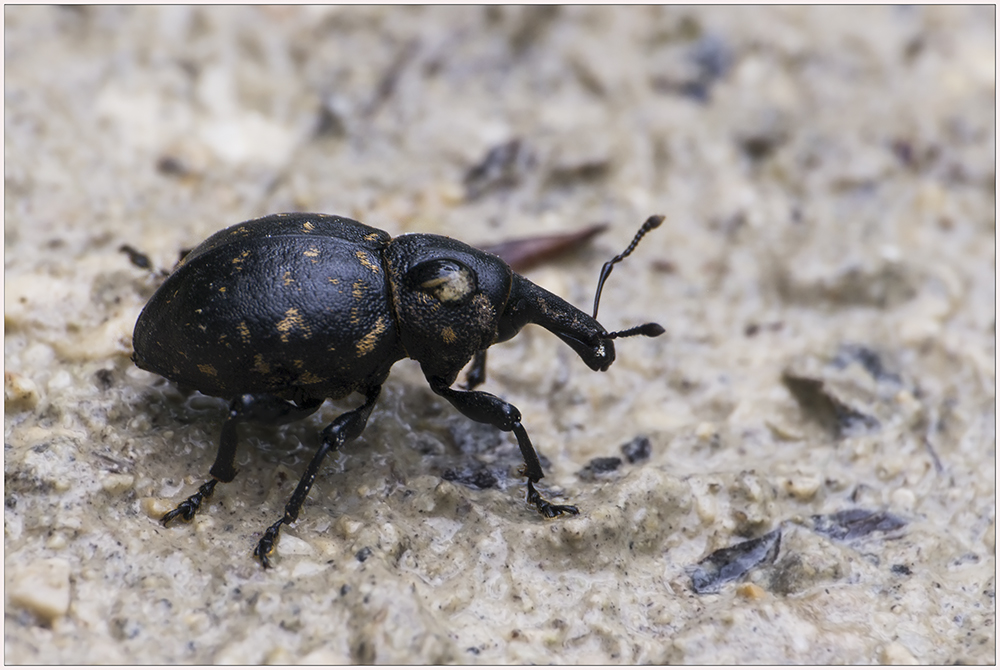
x=292, y=321
x=311, y=253
x=308, y=226
x=244, y=331
x=287, y=278
x=357, y=289
x=334, y=280
x=371, y=237
x=222, y=289
x=367, y=262
x=260, y=365
x=448, y=335
x=367, y=343
x=310, y=378
x=208, y=370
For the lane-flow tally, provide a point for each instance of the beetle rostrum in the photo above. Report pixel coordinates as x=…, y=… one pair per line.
x=280, y=313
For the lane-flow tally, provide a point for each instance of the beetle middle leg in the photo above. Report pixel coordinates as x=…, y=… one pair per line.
x=346, y=427
x=487, y=408
x=260, y=408
x=477, y=372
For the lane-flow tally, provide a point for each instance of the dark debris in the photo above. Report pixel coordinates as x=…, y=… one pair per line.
x=852, y=524
x=731, y=563
x=526, y=252
x=816, y=399
x=474, y=478
x=502, y=167
x=869, y=359
x=600, y=466
x=638, y=449
x=136, y=257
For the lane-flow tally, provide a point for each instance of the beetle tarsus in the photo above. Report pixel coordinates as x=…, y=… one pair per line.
x=265, y=547
x=187, y=509
x=545, y=508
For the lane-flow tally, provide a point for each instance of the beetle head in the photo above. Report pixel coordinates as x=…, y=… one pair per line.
x=447, y=296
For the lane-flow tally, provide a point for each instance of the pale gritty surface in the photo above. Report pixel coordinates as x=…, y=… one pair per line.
x=828, y=181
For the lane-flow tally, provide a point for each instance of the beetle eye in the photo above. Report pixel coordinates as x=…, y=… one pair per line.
x=447, y=280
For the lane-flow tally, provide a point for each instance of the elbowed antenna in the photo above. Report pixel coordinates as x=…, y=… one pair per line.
x=647, y=329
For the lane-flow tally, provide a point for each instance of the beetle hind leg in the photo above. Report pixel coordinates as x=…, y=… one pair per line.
x=346, y=427
x=260, y=408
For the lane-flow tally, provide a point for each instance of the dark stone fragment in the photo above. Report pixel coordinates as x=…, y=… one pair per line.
x=104, y=378
x=604, y=464
x=600, y=466
x=478, y=478
x=136, y=257
x=502, y=168
x=869, y=360
x=637, y=450
x=826, y=408
x=731, y=563
x=854, y=523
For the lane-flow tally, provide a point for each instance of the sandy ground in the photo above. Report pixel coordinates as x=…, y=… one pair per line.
x=822, y=403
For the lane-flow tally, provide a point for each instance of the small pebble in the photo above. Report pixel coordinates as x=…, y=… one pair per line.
x=293, y=546
x=802, y=486
x=705, y=431
x=19, y=392
x=895, y=653
x=43, y=588
x=155, y=508
x=116, y=484
x=750, y=591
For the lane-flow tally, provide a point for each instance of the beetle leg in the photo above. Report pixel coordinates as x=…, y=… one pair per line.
x=477, y=373
x=346, y=427
x=487, y=408
x=261, y=408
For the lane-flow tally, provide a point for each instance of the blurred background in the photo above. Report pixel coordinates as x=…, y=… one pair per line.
x=825, y=274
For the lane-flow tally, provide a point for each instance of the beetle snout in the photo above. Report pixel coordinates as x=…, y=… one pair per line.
x=597, y=355
x=604, y=355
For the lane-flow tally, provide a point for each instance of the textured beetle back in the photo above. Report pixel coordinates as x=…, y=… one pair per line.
x=286, y=302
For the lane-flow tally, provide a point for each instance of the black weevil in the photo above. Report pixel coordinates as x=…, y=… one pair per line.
x=280, y=313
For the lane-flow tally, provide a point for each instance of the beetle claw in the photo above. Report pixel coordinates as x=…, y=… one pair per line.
x=187, y=509
x=545, y=508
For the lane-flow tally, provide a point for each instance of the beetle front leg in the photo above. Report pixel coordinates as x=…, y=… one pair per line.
x=261, y=408
x=346, y=427
x=477, y=373
x=487, y=408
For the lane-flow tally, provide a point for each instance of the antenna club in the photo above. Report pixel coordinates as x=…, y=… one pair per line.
x=646, y=329
x=650, y=223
